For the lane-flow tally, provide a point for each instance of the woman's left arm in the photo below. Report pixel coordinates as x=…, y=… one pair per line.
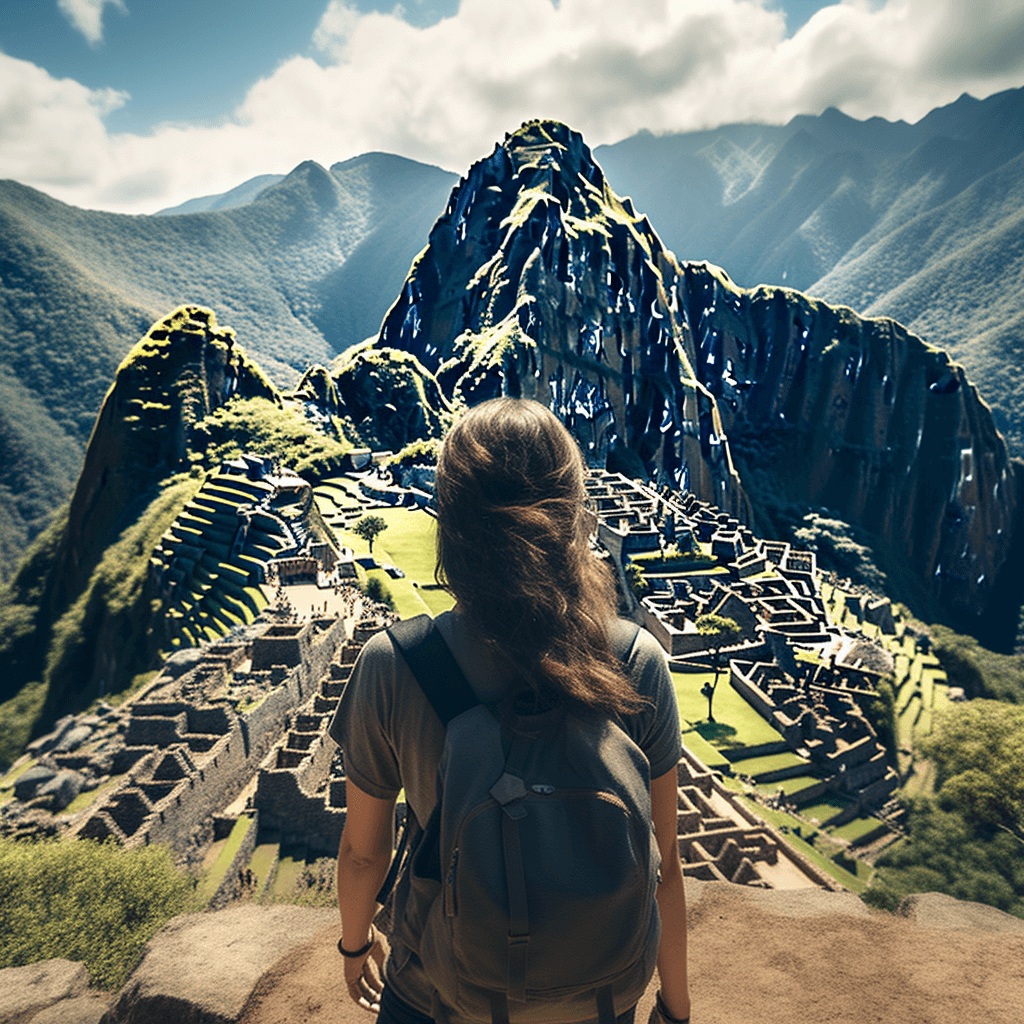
x=363, y=859
x=675, y=989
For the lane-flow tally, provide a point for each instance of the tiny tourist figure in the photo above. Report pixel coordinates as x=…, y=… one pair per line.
x=536, y=737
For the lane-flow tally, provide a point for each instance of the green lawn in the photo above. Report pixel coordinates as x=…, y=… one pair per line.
x=833, y=870
x=87, y=799
x=287, y=875
x=736, y=723
x=407, y=543
x=793, y=785
x=769, y=763
x=210, y=881
x=699, y=747
x=826, y=808
x=262, y=862
x=855, y=829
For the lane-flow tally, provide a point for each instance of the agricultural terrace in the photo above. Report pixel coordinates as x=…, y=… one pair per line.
x=919, y=683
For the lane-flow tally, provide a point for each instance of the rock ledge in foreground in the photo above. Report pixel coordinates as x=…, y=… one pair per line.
x=201, y=968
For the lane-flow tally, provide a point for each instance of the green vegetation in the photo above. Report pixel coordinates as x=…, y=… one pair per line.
x=421, y=452
x=636, y=578
x=725, y=632
x=881, y=714
x=95, y=903
x=261, y=426
x=17, y=717
x=721, y=628
x=410, y=545
x=377, y=590
x=841, y=548
x=978, y=671
x=672, y=559
x=302, y=882
x=801, y=837
x=116, y=613
x=77, y=287
x=212, y=878
x=968, y=839
x=391, y=398
x=738, y=725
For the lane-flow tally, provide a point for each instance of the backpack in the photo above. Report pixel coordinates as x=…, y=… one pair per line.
x=529, y=895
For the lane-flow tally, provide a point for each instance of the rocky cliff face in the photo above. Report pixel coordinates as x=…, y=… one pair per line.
x=539, y=281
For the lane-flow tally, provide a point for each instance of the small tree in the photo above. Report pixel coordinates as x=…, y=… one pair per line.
x=369, y=528
x=725, y=632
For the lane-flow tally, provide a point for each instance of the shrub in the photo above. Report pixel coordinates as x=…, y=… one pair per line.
x=979, y=671
x=417, y=453
x=96, y=903
x=881, y=713
x=377, y=590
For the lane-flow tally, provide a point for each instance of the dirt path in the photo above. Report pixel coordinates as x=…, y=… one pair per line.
x=769, y=958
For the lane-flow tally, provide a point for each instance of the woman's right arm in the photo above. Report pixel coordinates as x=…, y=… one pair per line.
x=363, y=859
x=675, y=991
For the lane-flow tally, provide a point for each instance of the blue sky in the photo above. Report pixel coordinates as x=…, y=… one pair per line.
x=137, y=104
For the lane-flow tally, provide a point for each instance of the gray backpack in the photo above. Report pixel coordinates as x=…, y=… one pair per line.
x=530, y=894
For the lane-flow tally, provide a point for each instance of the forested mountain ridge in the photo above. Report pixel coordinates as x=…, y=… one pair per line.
x=305, y=270
x=923, y=223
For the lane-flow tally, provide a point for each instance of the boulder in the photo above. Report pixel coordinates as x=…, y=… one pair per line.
x=80, y=1010
x=73, y=739
x=937, y=910
x=202, y=968
x=62, y=788
x=24, y=991
x=29, y=782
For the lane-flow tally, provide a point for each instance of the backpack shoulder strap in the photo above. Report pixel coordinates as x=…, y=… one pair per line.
x=434, y=666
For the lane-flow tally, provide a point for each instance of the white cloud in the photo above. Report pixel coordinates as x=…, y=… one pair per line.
x=51, y=131
x=87, y=16
x=446, y=93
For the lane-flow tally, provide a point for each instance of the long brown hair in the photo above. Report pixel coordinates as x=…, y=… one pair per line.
x=513, y=547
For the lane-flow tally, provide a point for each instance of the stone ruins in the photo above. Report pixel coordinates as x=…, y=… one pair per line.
x=235, y=727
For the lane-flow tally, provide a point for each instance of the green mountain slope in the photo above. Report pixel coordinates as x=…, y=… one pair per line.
x=240, y=195
x=92, y=604
x=917, y=222
x=957, y=273
x=305, y=270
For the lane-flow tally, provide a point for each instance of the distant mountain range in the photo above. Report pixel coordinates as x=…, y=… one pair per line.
x=922, y=222
x=302, y=271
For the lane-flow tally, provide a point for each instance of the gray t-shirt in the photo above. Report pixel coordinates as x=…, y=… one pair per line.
x=392, y=737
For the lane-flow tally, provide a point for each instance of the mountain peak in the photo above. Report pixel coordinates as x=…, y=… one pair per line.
x=539, y=281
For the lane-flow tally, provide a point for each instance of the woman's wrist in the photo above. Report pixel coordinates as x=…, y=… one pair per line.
x=353, y=954
x=666, y=1015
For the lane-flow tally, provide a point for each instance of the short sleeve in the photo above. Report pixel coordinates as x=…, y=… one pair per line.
x=658, y=732
x=360, y=723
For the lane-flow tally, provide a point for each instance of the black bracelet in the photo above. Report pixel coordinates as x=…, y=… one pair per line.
x=663, y=1010
x=359, y=952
